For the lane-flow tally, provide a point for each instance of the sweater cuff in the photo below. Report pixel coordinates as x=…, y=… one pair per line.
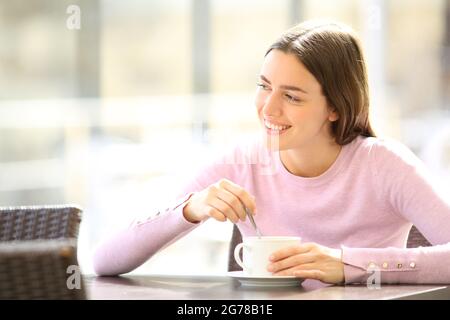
x=178, y=207
x=394, y=265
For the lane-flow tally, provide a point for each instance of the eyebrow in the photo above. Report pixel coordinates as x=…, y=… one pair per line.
x=286, y=87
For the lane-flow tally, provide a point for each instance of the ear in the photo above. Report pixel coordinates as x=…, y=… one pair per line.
x=333, y=115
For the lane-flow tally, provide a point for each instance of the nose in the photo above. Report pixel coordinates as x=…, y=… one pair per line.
x=272, y=106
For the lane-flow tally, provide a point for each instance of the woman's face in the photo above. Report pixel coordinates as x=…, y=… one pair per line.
x=290, y=103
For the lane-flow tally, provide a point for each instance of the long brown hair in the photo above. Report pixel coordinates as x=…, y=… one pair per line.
x=332, y=53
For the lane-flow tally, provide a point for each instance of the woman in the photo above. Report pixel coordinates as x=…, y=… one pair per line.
x=350, y=196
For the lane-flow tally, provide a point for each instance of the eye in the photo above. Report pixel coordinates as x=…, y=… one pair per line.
x=263, y=86
x=292, y=99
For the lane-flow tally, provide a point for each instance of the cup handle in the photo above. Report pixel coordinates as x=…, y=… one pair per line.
x=236, y=255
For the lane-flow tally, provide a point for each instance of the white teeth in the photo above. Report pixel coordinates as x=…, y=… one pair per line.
x=274, y=126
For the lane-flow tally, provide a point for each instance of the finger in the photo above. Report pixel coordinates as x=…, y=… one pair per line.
x=290, y=251
x=290, y=271
x=291, y=262
x=233, y=202
x=247, y=199
x=287, y=272
x=215, y=214
x=224, y=208
x=309, y=274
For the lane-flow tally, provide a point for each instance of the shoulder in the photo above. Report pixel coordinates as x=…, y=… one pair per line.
x=388, y=149
x=384, y=153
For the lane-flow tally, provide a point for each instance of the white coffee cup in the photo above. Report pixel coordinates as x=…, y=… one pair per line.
x=256, y=253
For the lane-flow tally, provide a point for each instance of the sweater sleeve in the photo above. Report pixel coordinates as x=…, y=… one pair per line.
x=135, y=244
x=404, y=182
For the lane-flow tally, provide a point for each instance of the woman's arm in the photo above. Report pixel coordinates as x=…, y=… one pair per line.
x=208, y=194
x=134, y=245
x=398, y=265
x=403, y=180
x=138, y=242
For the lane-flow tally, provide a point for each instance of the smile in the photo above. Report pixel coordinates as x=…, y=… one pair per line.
x=272, y=128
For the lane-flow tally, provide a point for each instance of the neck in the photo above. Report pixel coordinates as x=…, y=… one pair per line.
x=311, y=160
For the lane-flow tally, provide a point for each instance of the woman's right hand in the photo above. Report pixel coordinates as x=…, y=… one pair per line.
x=222, y=200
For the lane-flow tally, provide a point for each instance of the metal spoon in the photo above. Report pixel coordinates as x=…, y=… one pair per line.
x=250, y=216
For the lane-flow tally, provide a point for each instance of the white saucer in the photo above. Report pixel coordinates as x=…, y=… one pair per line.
x=268, y=281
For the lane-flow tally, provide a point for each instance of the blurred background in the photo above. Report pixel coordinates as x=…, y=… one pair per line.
x=109, y=104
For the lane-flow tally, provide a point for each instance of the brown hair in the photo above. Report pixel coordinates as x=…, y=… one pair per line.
x=332, y=53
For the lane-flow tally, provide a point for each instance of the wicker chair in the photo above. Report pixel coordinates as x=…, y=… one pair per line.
x=39, y=222
x=415, y=239
x=37, y=246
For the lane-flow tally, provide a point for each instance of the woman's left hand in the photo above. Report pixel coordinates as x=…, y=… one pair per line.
x=309, y=260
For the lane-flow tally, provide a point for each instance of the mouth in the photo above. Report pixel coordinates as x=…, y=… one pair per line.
x=272, y=128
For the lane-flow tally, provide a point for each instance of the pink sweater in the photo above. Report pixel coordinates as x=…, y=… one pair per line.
x=365, y=203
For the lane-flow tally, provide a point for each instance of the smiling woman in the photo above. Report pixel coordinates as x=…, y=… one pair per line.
x=331, y=67
x=319, y=80
x=351, y=197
